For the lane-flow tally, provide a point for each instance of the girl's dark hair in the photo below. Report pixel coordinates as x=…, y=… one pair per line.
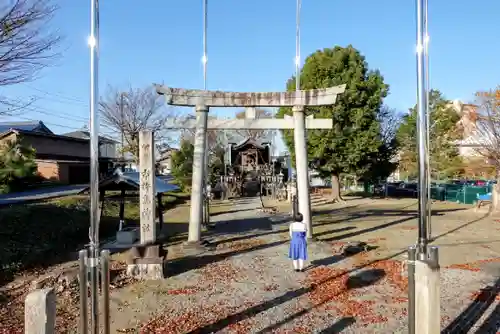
x=298, y=217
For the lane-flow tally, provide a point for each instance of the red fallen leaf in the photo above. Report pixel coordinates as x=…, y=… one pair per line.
x=409, y=228
x=193, y=319
x=184, y=291
x=241, y=327
x=375, y=240
x=393, y=273
x=473, y=266
x=240, y=245
x=330, y=289
x=486, y=294
x=400, y=299
x=465, y=266
x=271, y=287
x=219, y=271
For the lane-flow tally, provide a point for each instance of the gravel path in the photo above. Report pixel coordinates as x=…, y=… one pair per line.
x=245, y=284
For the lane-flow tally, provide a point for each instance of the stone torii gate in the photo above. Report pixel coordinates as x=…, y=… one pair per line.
x=202, y=100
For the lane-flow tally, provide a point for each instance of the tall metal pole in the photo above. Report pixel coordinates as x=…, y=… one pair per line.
x=94, y=166
x=205, y=59
x=297, y=82
x=206, y=215
x=297, y=46
x=428, y=120
x=122, y=123
x=421, y=130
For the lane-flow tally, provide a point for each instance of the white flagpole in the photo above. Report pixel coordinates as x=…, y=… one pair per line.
x=94, y=166
x=422, y=131
x=428, y=119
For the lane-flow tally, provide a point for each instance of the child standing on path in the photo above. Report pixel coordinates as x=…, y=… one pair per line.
x=298, y=242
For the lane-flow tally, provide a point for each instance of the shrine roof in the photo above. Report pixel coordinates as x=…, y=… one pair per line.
x=250, y=141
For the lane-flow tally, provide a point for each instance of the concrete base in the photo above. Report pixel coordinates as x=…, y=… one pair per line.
x=427, y=298
x=149, y=271
x=195, y=247
x=40, y=312
x=146, y=262
x=127, y=236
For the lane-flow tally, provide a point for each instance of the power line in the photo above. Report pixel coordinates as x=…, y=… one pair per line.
x=49, y=123
x=55, y=113
x=61, y=96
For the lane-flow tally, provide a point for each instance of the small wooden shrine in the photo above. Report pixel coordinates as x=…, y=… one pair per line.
x=250, y=155
x=251, y=169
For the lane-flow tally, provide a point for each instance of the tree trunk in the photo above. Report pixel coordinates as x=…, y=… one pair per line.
x=336, y=197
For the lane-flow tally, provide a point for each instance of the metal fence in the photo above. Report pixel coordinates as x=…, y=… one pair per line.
x=449, y=192
x=463, y=194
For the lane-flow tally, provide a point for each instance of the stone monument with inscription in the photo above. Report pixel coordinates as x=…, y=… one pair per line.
x=147, y=192
x=146, y=260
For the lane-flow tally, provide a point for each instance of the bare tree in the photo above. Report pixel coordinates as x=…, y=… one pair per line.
x=26, y=43
x=389, y=120
x=486, y=137
x=135, y=110
x=256, y=134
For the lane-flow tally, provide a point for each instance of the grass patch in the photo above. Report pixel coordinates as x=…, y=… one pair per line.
x=41, y=234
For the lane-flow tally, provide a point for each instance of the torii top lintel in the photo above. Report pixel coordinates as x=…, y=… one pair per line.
x=193, y=97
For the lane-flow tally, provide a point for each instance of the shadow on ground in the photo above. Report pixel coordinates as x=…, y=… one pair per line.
x=253, y=311
x=328, y=261
x=339, y=326
x=263, y=226
x=471, y=315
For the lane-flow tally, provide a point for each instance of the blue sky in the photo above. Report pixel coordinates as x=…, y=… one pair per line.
x=251, y=47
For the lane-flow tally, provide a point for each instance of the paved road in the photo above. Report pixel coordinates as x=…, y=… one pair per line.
x=40, y=194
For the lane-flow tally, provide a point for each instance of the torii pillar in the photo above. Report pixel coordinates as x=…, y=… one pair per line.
x=203, y=100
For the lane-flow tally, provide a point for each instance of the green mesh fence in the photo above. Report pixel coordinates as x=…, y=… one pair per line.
x=458, y=193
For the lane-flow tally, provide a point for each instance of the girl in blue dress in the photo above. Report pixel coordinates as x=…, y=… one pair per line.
x=298, y=242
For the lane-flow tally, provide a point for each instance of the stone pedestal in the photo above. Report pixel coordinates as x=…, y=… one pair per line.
x=40, y=312
x=146, y=262
x=127, y=236
x=427, y=298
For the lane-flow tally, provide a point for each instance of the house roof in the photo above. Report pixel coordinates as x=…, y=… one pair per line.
x=41, y=134
x=33, y=126
x=82, y=134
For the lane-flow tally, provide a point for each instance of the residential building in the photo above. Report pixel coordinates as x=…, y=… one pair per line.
x=107, y=146
x=58, y=157
x=473, y=138
x=164, y=161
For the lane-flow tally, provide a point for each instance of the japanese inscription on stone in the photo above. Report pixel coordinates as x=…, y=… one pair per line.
x=147, y=189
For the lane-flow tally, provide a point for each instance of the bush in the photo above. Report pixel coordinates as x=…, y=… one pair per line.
x=17, y=166
x=42, y=234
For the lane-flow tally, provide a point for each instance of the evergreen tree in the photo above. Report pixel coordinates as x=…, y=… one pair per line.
x=445, y=160
x=182, y=164
x=356, y=133
x=17, y=165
